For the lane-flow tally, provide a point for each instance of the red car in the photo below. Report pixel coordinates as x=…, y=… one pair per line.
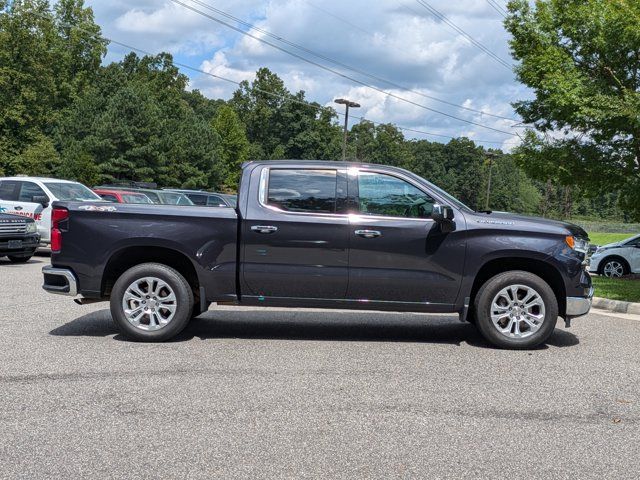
x=122, y=196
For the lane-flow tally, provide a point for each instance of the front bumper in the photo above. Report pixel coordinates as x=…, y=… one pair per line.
x=60, y=281
x=578, y=306
x=28, y=244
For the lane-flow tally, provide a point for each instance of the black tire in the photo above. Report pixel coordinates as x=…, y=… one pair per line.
x=489, y=291
x=625, y=266
x=19, y=258
x=183, y=303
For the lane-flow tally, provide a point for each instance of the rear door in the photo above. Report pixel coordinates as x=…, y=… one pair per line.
x=398, y=253
x=295, y=236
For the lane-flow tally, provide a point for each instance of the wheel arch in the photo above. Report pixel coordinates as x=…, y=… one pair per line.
x=612, y=257
x=128, y=257
x=542, y=269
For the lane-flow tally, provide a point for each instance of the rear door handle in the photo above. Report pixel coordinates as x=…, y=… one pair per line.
x=264, y=228
x=368, y=233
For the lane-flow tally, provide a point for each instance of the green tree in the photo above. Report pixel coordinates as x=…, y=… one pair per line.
x=234, y=146
x=580, y=58
x=43, y=68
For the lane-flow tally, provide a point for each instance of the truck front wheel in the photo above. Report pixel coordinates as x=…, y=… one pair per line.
x=516, y=310
x=151, y=302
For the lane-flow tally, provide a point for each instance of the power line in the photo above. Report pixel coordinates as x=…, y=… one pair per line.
x=443, y=18
x=335, y=72
x=497, y=7
x=289, y=98
x=336, y=62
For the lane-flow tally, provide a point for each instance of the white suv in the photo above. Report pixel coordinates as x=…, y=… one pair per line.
x=617, y=259
x=32, y=196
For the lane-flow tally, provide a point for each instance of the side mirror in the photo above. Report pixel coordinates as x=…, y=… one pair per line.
x=41, y=199
x=442, y=213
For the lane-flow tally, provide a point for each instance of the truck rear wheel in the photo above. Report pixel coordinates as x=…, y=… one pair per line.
x=151, y=302
x=516, y=310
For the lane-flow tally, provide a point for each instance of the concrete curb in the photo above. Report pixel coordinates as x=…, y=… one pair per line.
x=616, y=305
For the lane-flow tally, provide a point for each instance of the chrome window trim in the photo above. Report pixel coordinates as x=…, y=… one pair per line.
x=263, y=191
x=400, y=177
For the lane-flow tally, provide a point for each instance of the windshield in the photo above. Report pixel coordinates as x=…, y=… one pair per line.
x=174, y=198
x=232, y=199
x=71, y=191
x=135, y=198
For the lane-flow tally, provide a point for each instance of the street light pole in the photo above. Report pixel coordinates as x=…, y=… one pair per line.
x=490, y=155
x=347, y=104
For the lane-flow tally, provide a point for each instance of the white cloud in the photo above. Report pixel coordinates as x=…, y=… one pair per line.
x=396, y=40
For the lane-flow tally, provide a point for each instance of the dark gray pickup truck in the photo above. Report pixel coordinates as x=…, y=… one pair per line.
x=323, y=235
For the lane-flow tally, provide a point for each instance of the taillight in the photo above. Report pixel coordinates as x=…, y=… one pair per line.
x=58, y=215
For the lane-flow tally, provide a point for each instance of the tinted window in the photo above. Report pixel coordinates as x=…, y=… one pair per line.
x=28, y=190
x=197, y=198
x=8, y=190
x=303, y=190
x=386, y=195
x=109, y=198
x=633, y=243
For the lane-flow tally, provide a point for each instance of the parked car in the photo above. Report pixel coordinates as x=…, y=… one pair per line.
x=32, y=196
x=208, y=199
x=324, y=235
x=19, y=237
x=122, y=196
x=160, y=197
x=617, y=259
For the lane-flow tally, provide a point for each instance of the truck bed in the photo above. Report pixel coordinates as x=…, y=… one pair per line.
x=98, y=237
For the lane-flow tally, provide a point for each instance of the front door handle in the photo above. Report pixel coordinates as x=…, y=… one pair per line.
x=18, y=208
x=368, y=233
x=264, y=228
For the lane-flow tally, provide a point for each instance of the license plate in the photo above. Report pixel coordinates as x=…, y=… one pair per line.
x=15, y=244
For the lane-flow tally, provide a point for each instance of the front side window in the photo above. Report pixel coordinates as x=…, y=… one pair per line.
x=109, y=198
x=71, y=192
x=302, y=190
x=389, y=196
x=197, y=198
x=135, y=198
x=29, y=190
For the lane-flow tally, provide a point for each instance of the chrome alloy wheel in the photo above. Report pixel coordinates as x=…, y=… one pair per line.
x=517, y=311
x=149, y=303
x=613, y=269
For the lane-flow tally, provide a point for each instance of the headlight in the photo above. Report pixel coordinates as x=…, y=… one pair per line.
x=32, y=227
x=578, y=244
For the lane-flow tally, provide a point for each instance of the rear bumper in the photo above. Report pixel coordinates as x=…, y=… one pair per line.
x=60, y=281
x=578, y=306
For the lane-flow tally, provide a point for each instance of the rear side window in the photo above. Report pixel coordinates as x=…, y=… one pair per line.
x=9, y=190
x=109, y=198
x=302, y=190
x=30, y=190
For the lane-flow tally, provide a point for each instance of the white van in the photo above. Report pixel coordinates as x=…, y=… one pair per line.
x=32, y=197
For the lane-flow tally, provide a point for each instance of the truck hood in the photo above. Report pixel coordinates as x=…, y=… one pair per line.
x=527, y=223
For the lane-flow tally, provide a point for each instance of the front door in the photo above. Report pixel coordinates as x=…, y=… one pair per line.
x=398, y=253
x=296, y=236
x=17, y=198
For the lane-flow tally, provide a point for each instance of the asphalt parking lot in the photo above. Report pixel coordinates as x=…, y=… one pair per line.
x=248, y=393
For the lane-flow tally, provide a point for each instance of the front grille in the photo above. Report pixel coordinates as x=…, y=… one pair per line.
x=12, y=228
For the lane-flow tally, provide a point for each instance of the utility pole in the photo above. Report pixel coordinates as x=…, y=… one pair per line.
x=490, y=156
x=347, y=104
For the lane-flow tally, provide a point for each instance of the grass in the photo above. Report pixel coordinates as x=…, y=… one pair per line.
x=598, y=238
x=625, y=289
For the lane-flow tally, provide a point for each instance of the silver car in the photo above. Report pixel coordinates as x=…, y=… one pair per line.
x=617, y=259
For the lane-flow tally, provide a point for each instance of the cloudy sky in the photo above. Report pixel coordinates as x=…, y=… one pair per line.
x=395, y=46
